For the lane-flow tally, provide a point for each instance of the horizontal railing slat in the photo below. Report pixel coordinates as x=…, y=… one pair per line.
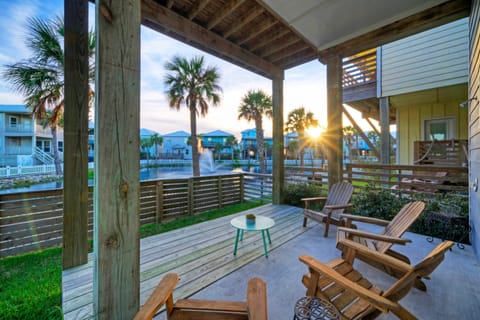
x=33, y=220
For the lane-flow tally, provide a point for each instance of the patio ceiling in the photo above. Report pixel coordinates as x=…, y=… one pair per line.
x=270, y=36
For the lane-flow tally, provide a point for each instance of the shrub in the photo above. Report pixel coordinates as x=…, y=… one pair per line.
x=435, y=221
x=296, y=191
x=377, y=203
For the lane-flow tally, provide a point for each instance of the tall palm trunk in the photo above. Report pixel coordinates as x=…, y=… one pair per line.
x=194, y=142
x=261, y=156
x=56, y=155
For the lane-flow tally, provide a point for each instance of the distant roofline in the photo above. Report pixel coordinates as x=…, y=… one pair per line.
x=15, y=108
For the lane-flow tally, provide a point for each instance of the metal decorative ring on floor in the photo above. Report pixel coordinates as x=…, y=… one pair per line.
x=314, y=308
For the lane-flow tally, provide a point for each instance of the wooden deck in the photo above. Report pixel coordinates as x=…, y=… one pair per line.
x=200, y=254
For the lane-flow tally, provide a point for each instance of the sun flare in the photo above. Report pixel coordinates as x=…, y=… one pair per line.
x=314, y=132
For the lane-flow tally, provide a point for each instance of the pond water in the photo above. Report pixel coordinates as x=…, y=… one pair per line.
x=145, y=174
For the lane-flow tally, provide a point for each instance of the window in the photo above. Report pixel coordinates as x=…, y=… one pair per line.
x=44, y=145
x=60, y=146
x=13, y=122
x=439, y=129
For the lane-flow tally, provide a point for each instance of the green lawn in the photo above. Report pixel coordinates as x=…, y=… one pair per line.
x=30, y=284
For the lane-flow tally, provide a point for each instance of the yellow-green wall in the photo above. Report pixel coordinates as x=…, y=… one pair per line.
x=413, y=109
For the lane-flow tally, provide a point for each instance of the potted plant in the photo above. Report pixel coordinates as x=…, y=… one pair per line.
x=250, y=218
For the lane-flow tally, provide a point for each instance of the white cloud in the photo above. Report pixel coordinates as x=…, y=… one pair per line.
x=303, y=86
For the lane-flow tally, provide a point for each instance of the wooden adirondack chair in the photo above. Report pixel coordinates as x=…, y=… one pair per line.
x=336, y=202
x=254, y=309
x=355, y=296
x=390, y=235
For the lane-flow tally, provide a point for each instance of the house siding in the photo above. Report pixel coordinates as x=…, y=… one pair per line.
x=474, y=126
x=431, y=59
x=414, y=108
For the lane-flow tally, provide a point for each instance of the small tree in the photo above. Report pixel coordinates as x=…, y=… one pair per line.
x=217, y=148
x=156, y=141
x=231, y=142
x=299, y=121
x=146, y=144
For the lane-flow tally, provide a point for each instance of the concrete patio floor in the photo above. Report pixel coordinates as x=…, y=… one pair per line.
x=453, y=291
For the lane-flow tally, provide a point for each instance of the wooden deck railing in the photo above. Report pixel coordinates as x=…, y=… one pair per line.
x=34, y=220
x=406, y=180
x=441, y=152
x=360, y=69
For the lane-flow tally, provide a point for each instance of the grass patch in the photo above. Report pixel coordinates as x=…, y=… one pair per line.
x=30, y=284
x=153, y=228
x=91, y=174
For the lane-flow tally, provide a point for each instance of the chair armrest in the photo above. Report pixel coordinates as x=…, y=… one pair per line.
x=378, y=301
x=377, y=256
x=162, y=294
x=257, y=299
x=314, y=199
x=373, y=236
x=371, y=220
x=338, y=206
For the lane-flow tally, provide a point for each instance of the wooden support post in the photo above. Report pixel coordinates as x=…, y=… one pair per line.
x=334, y=117
x=116, y=282
x=220, y=191
x=191, y=190
x=75, y=191
x=277, y=152
x=242, y=188
x=159, y=202
x=384, y=130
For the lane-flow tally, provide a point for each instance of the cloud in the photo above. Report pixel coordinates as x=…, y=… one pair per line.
x=303, y=85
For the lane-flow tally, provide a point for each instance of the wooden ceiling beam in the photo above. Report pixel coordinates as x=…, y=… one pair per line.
x=296, y=47
x=243, y=22
x=166, y=21
x=271, y=37
x=422, y=21
x=170, y=3
x=297, y=59
x=273, y=49
x=196, y=8
x=258, y=30
x=219, y=16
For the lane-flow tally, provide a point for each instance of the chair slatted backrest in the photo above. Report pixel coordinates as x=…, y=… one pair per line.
x=423, y=269
x=340, y=193
x=400, y=223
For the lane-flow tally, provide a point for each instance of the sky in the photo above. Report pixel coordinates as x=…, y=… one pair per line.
x=303, y=86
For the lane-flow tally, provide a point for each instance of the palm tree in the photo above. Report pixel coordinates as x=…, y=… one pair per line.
x=40, y=79
x=350, y=135
x=292, y=148
x=231, y=142
x=254, y=105
x=299, y=121
x=192, y=84
x=156, y=140
x=146, y=144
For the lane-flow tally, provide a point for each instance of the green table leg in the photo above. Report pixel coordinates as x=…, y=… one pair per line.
x=241, y=234
x=268, y=235
x=236, y=242
x=264, y=243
